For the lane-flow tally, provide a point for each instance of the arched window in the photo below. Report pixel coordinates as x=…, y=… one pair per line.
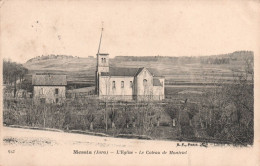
x=122, y=84
x=131, y=84
x=56, y=91
x=41, y=91
x=104, y=60
x=114, y=84
x=145, y=82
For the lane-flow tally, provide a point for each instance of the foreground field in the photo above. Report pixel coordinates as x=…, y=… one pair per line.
x=29, y=137
x=36, y=147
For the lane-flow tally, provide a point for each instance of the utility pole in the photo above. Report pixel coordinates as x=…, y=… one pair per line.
x=44, y=116
x=106, y=113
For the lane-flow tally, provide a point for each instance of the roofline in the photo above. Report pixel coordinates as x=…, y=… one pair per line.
x=142, y=70
x=159, y=76
x=138, y=70
x=102, y=54
x=150, y=72
x=117, y=76
x=46, y=74
x=49, y=85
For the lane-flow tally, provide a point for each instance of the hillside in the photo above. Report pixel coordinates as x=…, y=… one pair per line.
x=177, y=70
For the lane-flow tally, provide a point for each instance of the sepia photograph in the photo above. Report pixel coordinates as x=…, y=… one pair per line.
x=129, y=82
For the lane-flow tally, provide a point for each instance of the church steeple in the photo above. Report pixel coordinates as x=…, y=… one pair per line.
x=102, y=58
x=102, y=62
x=100, y=38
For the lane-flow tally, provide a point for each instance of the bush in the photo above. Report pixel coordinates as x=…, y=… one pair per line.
x=187, y=131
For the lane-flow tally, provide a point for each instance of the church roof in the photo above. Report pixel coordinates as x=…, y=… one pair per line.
x=139, y=71
x=131, y=72
x=155, y=72
x=106, y=54
x=49, y=79
x=156, y=82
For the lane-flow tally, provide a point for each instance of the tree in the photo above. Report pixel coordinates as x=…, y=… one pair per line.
x=228, y=110
x=91, y=110
x=112, y=116
x=173, y=111
x=192, y=110
x=13, y=72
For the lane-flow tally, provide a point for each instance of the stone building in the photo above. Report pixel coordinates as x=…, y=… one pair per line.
x=127, y=83
x=49, y=88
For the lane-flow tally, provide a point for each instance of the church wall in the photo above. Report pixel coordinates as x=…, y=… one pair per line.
x=162, y=80
x=104, y=62
x=117, y=92
x=144, y=92
x=158, y=93
x=103, y=69
x=104, y=85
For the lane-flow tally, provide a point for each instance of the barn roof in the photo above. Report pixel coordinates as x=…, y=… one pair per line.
x=131, y=72
x=49, y=79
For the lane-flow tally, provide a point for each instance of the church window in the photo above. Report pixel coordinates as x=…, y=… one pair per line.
x=41, y=91
x=131, y=84
x=122, y=84
x=56, y=91
x=113, y=84
x=42, y=100
x=104, y=60
x=145, y=82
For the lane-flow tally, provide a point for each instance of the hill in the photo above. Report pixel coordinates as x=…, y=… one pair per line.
x=177, y=70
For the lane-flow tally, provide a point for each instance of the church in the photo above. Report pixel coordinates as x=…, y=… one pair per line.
x=140, y=84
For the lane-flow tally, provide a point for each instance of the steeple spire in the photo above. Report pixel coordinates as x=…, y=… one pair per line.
x=100, y=38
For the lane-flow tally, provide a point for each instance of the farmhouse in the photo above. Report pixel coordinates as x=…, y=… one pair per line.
x=127, y=83
x=49, y=88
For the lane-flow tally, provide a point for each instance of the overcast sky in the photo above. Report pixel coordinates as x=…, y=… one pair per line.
x=148, y=28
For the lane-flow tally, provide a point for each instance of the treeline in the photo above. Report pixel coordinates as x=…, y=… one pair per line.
x=51, y=56
x=225, y=114
x=140, y=58
x=84, y=114
x=15, y=77
x=185, y=59
x=237, y=55
x=215, y=61
x=13, y=71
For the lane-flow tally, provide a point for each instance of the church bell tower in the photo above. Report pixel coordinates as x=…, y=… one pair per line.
x=102, y=63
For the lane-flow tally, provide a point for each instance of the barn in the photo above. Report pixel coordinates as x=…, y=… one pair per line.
x=49, y=88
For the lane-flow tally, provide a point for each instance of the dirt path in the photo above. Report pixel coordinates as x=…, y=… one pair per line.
x=29, y=137
x=38, y=147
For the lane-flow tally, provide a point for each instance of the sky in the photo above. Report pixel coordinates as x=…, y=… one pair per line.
x=131, y=28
